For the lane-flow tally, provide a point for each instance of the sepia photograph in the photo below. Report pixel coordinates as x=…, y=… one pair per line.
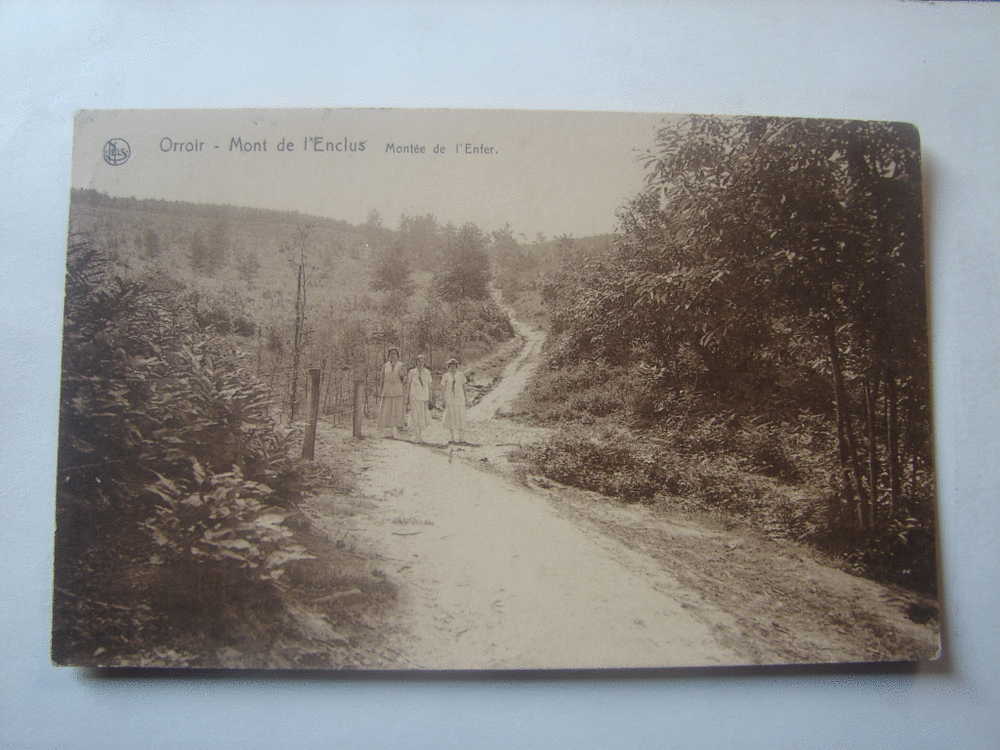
x=493, y=390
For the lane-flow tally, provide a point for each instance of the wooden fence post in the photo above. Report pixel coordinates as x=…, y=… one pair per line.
x=358, y=405
x=309, y=444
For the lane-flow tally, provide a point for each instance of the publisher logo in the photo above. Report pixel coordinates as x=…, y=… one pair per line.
x=117, y=151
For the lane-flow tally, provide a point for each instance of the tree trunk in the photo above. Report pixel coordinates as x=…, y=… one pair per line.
x=892, y=440
x=849, y=456
x=328, y=374
x=365, y=389
x=845, y=471
x=871, y=400
x=912, y=448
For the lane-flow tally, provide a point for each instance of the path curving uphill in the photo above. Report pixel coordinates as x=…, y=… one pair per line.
x=492, y=576
x=515, y=375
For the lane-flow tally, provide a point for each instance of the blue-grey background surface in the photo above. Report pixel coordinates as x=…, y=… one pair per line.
x=934, y=64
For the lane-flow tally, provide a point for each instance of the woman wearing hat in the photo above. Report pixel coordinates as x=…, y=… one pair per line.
x=453, y=388
x=391, y=416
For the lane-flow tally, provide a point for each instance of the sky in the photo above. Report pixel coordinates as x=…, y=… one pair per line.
x=539, y=171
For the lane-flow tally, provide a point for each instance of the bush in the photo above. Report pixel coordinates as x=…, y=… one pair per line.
x=666, y=469
x=220, y=315
x=163, y=427
x=903, y=552
x=583, y=392
x=222, y=519
x=612, y=468
x=766, y=450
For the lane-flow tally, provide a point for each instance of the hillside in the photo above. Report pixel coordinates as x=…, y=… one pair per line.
x=250, y=249
x=752, y=343
x=188, y=333
x=238, y=269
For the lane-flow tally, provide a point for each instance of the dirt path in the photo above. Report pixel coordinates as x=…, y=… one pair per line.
x=493, y=574
x=491, y=577
x=515, y=375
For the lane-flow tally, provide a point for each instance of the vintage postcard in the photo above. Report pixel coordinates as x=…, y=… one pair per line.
x=444, y=389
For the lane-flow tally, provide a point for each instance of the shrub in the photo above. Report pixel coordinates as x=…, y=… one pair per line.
x=214, y=313
x=221, y=519
x=901, y=552
x=596, y=403
x=612, y=468
x=766, y=450
x=163, y=426
x=583, y=392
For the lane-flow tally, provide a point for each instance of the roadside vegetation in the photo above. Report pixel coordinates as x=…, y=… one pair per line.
x=298, y=292
x=187, y=336
x=752, y=342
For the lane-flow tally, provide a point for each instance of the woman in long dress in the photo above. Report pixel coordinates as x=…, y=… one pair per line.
x=453, y=388
x=418, y=394
x=391, y=416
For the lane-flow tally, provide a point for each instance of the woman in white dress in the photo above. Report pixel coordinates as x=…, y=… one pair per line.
x=453, y=388
x=418, y=394
x=391, y=415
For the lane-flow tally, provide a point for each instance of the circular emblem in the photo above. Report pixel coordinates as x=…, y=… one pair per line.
x=117, y=151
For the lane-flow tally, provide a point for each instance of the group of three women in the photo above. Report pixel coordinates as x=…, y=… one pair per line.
x=414, y=389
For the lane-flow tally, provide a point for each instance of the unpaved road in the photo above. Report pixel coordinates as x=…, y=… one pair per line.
x=492, y=577
x=492, y=574
x=515, y=375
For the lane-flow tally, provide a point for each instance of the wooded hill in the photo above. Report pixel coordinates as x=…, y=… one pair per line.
x=187, y=333
x=308, y=291
x=759, y=320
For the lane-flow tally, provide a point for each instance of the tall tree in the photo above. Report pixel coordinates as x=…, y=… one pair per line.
x=374, y=231
x=763, y=246
x=465, y=267
x=432, y=331
x=247, y=266
x=513, y=264
x=815, y=222
x=391, y=271
x=421, y=236
x=208, y=250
